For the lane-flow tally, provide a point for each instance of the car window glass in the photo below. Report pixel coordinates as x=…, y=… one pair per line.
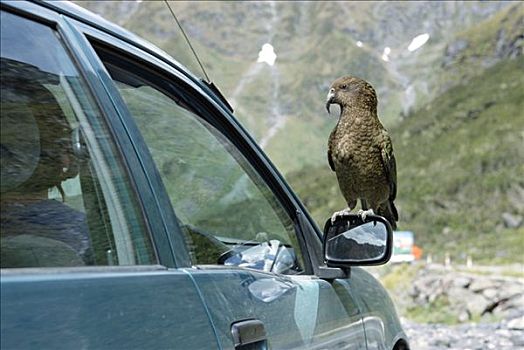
x=65, y=198
x=229, y=214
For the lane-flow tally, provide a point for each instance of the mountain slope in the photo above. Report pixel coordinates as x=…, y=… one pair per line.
x=315, y=43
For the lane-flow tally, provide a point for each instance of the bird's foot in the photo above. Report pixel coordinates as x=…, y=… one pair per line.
x=336, y=214
x=364, y=213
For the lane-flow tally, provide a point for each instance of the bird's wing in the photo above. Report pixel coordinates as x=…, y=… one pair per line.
x=389, y=163
x=330, y=149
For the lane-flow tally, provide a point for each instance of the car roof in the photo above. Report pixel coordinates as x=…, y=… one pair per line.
x=92, y=19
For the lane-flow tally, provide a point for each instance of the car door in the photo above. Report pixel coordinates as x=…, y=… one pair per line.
x=252, y=249
x=85, y=258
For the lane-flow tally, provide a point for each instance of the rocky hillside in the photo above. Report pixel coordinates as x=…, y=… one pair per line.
x=457, y=307
x=459, y=296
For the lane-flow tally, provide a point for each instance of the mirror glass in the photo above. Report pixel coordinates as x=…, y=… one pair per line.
x=366, y=242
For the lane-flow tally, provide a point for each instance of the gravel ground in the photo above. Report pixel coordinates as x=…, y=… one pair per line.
x=500, y=336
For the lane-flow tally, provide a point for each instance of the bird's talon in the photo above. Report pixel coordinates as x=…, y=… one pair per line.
x=339, y=213
x=364, y=213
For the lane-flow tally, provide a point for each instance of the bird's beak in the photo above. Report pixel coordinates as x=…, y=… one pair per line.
x=329, y=99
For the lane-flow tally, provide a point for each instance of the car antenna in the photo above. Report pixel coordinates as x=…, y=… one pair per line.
x=208, y=82
x=187, y=39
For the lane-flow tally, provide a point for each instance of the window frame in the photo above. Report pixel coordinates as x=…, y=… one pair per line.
x=209, y=107
x=176, y=91
x=62, y=28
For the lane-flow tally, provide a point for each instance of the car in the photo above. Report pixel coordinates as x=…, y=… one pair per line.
x=137, y=213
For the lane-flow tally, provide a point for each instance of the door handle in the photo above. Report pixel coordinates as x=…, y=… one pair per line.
x=249, y=334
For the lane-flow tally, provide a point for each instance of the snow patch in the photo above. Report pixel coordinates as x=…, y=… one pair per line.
x=267, y=54
x=418, y=42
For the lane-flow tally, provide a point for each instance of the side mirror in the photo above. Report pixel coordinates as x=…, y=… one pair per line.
x=350, y=241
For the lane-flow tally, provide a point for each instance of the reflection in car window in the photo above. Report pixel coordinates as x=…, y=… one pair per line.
x=223, y=204
x=64, y=198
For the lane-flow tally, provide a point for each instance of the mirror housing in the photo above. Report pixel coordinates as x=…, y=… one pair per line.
x=350, y=241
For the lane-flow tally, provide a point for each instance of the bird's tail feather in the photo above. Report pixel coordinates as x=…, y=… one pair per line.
x=389, y=211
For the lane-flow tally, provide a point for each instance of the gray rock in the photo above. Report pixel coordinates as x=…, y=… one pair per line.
x=512, y=221
x=459, y=295
x=481, y=283
x=508, y=313
x=464, y=316
x=511, y=290
x=452, y=51
x=518, y=340
x=413, y=292
x=462, y=281
x=476, y=304
x=490, y=293
x=516, y=323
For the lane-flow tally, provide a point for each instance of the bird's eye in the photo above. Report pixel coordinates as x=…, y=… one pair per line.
x=343, y=86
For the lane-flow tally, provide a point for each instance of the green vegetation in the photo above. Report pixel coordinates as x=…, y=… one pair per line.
x=398, y=276
x=459, y=164
x=485, y=43
x=437, y=311
x=398, y=279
